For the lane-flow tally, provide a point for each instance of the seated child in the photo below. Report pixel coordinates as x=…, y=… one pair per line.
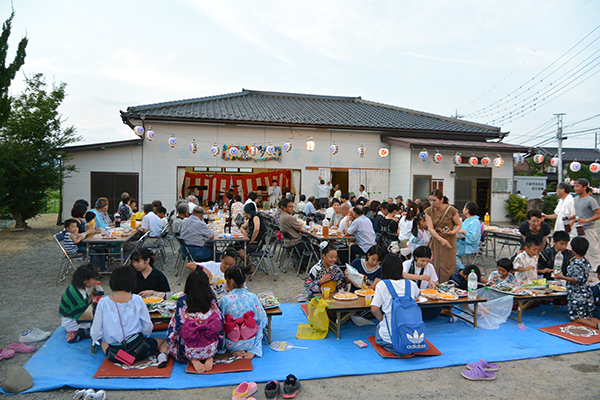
x=420, y=235
x=90, y=223
x=216, y=270
x=420, y=269
x=324, y=271
x=122, y=321
x=370, y=267
x=460, y=278
x=75, y=300
x=193, y=332
x=73, y=238
x=525, y=263
x=579, y=293
x=503, y=274
x=245, y=317
x=381, y=306
x=546, y=260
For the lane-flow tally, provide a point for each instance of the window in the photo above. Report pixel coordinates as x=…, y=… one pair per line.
x=437, y=184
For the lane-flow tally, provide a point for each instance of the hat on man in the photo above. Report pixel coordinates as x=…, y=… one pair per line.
x=583, y=182
x=400, y=197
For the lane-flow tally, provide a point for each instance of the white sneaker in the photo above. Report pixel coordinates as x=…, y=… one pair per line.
x=81, y=394
x=34, y=335
x=99, y=395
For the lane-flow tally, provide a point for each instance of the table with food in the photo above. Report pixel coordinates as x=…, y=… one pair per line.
x=225, y=235
x=318, y=233
x=492, y=234
x=106, y=238
x=271, y=305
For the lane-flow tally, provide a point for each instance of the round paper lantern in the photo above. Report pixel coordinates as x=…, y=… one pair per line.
x=252, y=151
x=234, y=151
x=194, y=146
x=384, y=152
x=486, y=161
x=214, y=150
x=270, y=149
x=138, y=130
x=150, y=135
x=575, y=166
x=498, y=162
x=438, y=157
x=334, y=149
x=568, y=180
x=287, y=146
x=555, y=161
x=424, y=155
x=362, y=151
x=310, y=144
x=172, y=141
x=473, y=161
x=594, y=167
x=538, y=159
x=457, y=159
x=519, y=159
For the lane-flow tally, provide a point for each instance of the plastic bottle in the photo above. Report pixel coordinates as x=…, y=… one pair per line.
x=472, y=286
x=98, y=292
x=558, y=262
x=133, y=226
x=487, y=219
x=117, y=220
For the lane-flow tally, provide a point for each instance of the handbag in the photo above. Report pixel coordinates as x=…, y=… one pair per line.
x=133, y=348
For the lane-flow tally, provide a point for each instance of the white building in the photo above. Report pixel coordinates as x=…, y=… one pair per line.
x=153, y=169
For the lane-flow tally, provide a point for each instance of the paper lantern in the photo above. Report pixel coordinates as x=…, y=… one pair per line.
x=270, y=149
x=334, y=149
x=310, y=144
x=575, y=166
x=150, y=135
x=234, y=151
x=555, y=161
x=287, y=146
x=194, y=146
x=568, y=180
x=214, y=150
x=362, y=151
x=457, y=159
x=438, y=157
x=473, y=161
x=594, y=167
x=384, y=152
x=538, y=158
x=252, y=151
x=172, y=141
x=498, y=162
x=424, y=155
x=485, y=161
x=519, y=159
x=138, y=130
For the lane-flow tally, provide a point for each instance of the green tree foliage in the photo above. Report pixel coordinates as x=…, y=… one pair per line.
x=7, y=74
x=517, y=208
x=549, y=203
x=584, y=172
x=31, y=154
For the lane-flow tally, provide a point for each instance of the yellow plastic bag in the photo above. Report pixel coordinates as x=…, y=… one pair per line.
x=318, y=321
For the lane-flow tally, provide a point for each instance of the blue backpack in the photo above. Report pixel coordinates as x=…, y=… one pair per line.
x=408, y=328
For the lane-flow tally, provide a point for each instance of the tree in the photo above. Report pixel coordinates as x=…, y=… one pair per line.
x=31, y=149
x=7, y=74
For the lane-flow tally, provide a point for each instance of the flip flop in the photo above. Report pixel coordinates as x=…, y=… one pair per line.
x=21, y=348
x=477, y=374
x=6, y=354
x=244, y=390
x=481, y=363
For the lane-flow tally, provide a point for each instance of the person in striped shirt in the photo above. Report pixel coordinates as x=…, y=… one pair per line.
x=75, y=300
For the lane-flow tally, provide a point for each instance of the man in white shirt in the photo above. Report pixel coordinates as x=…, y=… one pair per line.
x=565, y=207
x=274, y=193
x=192, y=203
x=338, y=192
x=301, y=203
x=344, y=222
x=252, y=199
x=364, y=234
x=324, y=190
x=362, y=192
x=151, y=223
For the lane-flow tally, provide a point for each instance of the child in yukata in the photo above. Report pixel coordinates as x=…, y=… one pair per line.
x=525, y=263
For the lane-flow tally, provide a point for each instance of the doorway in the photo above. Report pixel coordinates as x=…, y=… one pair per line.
x=111, y=185
x=340, y=178
x=421, y=186
x=473, y=184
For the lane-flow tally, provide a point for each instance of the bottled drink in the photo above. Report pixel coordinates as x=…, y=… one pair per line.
x=472, y=286
x=566, y=224
x=98, y=292
x=487, y=219
x=133, y=221
x=117, y=220
x=558, y=262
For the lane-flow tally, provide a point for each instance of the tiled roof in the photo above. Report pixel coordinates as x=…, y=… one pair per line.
x=249, y=106
x=458, y=145
x=572, y=153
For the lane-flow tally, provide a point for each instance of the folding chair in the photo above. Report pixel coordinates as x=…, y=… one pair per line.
x=183, y=257
x=66, y=262
x=137, y=246
x=159, y=246
x=263, y=253
x=288, y=252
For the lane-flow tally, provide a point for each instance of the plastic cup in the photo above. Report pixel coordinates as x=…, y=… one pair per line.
x=368, y=300
x=326, y=291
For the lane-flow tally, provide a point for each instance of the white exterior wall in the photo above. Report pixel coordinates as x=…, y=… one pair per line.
x=400, y=172
x=498, y=210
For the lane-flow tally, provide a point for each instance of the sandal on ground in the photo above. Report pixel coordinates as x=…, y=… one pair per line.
x=272, y=390
x=6, y=354
x=301, y=299
x=21, y=348
x=477, y=374
x=244, y=390
x=291, y=387
x=483, y=364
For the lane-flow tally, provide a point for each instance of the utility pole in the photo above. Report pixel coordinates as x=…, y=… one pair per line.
x=559, y=124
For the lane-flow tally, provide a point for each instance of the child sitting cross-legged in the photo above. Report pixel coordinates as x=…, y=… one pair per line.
x=525, y=263
x=503, y=273
x=75, y=300
x=547, y=259
x=193, y=332
x=579, y=293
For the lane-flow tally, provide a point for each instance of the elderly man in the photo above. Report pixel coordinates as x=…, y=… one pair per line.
x=195, y=233
x=364, y=235
x=343, y=223
x=192, y=203
x=587, y=212
x=309, y=208
x=324, y=190
x=290, y=227
x=565, y=208
x=182, y=213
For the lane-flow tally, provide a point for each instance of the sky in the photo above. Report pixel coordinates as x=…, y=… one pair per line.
x=479, y=59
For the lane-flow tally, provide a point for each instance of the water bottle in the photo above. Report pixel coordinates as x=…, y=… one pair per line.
x=558, y=262
x=472, y=285
x=117, y=220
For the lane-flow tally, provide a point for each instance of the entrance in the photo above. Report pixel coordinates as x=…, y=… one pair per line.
x=421, y=186
x=340, y=178
x=473, y=184
x=111, y=185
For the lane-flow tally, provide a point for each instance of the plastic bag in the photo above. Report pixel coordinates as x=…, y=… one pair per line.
x=318, y=321
x=355, y=277
x=494, y=311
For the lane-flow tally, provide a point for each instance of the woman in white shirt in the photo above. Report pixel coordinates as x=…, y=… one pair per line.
x=122, y=321
x=405, y=224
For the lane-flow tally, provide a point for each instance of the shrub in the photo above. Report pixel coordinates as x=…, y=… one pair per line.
x=517, y=208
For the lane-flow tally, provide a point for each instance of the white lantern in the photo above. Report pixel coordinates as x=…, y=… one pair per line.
x=384, y=152
x=287, y=146
x=234, y=151
x=310, y=144
x=538, y=158
x=594, y=167
x=172, y=141
x=423, y=155
x=473, y=161
x=519, y=159
x=138, y=130
x=214, y=150
x=575, y=166
x=270, y=149
x=334, y=149
x=568, y=180
x=252, y=151
x=150, y=135
x=555, y=161
x=457, y=159
x=438, y=157
x=485, y=161
x=362, y=151
x=194, y=146
x=498, y=162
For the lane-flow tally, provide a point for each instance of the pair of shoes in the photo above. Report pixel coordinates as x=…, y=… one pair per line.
x=34, y=335
x=89, y=394
x=480, y=371
x=244, y=390
x=6, y=354
x=21, y=348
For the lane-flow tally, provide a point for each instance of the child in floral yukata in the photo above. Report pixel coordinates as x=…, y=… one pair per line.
x=194, y=330
x=324, y=271
x=579, y=293
x=420, y=235
x=245, y=317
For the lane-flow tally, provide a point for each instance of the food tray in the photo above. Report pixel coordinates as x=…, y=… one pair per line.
x=345, y=299
x=359, y=292
x=454, y=297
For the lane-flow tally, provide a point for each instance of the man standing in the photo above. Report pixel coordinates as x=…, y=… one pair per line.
x=364, y=235
x=565, y=207
x=586, y=212
x=362, y=192
x=323, y=193
x=195, y=233
x=338, y=192
x=274, y=193
x=399, y=203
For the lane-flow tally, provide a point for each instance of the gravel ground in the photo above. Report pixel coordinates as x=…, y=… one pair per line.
x=29, y=297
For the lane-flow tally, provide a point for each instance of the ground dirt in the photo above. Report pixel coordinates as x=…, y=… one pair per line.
x=29, y=297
